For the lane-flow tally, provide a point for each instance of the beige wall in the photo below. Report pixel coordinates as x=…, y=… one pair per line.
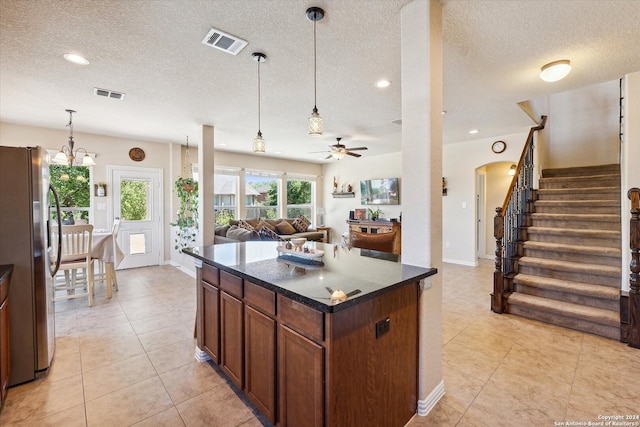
x=497, y=185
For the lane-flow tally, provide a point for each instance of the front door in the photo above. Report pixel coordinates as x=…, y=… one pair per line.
x=137, y=201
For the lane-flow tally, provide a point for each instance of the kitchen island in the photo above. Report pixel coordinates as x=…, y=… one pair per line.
x=312, y=341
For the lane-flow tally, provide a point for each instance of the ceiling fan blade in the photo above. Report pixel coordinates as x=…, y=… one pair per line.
x=357, y=148
x=328, y=157
x=353, y=154
x=316, y=152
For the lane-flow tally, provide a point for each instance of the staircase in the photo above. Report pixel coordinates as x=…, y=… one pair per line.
x=570, y=271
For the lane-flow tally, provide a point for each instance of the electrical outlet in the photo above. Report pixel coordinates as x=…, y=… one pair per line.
x=382, y=327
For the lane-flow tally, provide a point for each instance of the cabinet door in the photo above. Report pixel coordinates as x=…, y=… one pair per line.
x=260, y=361
x=5, y=354
x=232, y=343
x=211, y=321
x=301, y=376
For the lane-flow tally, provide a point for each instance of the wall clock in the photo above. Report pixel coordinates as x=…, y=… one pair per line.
x=136, y=154
x=498, y=147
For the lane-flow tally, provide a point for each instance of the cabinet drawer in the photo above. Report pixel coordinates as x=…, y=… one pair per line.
x=260, y=298
x=301, y=318
x=210, y=274
x=231, y=284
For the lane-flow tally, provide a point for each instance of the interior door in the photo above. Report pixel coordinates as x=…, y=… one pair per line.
x=137, y=201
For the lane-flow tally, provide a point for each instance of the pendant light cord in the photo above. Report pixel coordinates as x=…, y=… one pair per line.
x=315, y=69
x=258, y=96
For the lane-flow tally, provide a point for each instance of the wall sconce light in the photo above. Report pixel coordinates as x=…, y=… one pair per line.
x=512, y=170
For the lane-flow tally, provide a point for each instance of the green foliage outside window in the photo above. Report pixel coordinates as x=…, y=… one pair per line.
x=72, y=185
x=187, y=222
x=133, y=200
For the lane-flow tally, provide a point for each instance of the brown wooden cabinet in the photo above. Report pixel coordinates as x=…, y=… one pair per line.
x=209, y=339
x=301, y=376
x=304, y=367
x=260, y=361
x=232, y=338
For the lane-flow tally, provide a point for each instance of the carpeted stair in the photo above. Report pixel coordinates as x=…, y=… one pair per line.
x=570, y=271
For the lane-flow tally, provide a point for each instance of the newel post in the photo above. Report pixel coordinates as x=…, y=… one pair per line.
x=498, y=277
x=634, y=277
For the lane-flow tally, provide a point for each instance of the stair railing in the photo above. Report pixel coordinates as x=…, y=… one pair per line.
x=633, y=333
x=510, y=222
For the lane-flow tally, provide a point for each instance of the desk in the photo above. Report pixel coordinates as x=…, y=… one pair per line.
x=105, y=248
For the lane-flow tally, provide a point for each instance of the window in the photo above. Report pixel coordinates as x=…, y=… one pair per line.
x=134, y=199
x=262, y=191
x=300, y=193
x=225, y=196
x=74, y=193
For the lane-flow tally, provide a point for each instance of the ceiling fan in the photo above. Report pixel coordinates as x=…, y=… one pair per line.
x=338, y=151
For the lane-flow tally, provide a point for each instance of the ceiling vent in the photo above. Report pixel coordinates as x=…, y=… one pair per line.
x=223, y=41
x=108, y=93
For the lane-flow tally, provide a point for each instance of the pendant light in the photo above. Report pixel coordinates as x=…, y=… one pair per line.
x=258, y=142
x=67, y=155
x=316, y=125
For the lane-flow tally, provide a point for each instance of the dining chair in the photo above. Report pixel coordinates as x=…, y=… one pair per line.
x=75, y=255
x=382, y=242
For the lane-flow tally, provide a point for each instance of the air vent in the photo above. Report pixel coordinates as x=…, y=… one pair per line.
x=223, y=41
x=108, y=93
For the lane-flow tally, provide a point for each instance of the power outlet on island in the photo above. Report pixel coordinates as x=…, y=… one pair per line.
x=382, y=327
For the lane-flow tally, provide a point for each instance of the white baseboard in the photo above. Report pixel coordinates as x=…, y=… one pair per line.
x=427, y=404
x=201, y=356
x=185, y=270
x=457, y=261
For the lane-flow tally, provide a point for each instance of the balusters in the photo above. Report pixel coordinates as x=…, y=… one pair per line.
x=498, y=233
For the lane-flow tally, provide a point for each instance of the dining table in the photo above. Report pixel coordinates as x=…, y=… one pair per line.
x=105, y=248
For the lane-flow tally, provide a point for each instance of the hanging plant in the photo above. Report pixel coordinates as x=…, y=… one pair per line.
x=187, y=221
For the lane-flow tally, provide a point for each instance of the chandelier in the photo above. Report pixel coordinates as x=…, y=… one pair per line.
x=67, y=155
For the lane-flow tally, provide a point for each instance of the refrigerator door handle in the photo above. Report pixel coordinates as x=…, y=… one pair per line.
x=54, y=269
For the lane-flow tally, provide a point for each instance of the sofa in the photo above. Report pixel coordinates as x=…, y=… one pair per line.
x=265, y=229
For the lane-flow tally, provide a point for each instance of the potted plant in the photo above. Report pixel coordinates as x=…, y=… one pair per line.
x=187, y=221
x=375, y=213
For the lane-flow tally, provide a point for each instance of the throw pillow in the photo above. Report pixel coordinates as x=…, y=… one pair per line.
x=267, y=234
x=284, y=227
x=244, y=224
x=221, y=230
x=301, y=224
x=262, y=224
x=242, y=234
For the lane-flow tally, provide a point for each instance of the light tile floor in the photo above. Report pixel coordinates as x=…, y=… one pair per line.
x=130, y=361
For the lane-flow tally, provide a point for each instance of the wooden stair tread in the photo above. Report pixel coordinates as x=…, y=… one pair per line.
x=585, y=203
x=574, y=232
x=552, y=264
x=562, y=308
x=577, y=216
x=559, y=285
x=578, y=190
x=561, y=247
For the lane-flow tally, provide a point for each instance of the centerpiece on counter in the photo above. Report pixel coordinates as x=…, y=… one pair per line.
x=295, y=248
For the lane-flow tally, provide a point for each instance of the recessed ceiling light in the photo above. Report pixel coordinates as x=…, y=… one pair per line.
x=383, y=83
x=473, y=131
x=76, y=59
x=554, y=71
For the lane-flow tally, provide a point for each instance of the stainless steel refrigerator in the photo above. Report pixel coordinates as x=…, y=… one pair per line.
x=25, y=220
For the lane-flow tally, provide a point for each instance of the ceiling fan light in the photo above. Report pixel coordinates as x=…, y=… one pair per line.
x=554, y=71
x=338, y=155
x=316, y=124
x=259, y=144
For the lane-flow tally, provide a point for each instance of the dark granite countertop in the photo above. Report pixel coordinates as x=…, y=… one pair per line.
x=362, y=274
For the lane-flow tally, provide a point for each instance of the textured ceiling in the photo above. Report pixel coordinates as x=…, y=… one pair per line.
x=151, y=50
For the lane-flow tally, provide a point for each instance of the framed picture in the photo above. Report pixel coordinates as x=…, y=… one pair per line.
x=380, y=192
x=360, y=214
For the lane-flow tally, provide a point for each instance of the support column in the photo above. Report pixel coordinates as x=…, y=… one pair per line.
x=206, y=167
x=421, y=42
